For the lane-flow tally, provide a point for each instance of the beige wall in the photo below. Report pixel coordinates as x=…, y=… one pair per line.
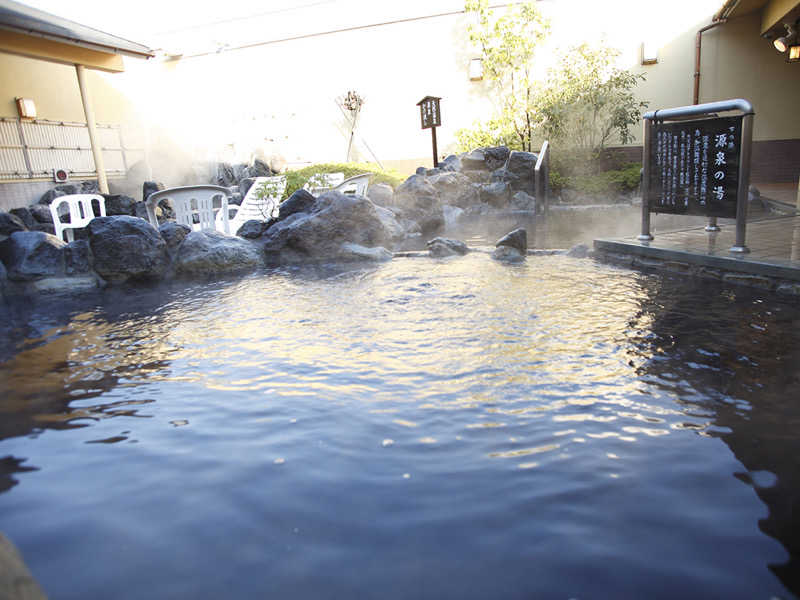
x=54, y=89
x=735, y=63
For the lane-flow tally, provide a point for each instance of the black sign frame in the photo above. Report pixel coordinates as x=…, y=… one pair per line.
x=695, y=166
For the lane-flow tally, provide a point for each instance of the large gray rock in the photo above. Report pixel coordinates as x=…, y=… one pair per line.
x=41, y=213
x=523, y=201
x=517, y=239
x=173, y=234
x=253, y=229
x=455, y=189
x=495, y=157
x=150, y=187
x=355, y=252
x=46, y=227
x=119, y=204
x=522, y=165
x=30, y=255
x=390, y=222
x=76, y=257
x=440, y=247
x=474, y=161
x=508, y=254
x=451, y=163
x=417, y=201
x=319, y=233
x=25, y=215
x=300, y=201
x=381, y=194
x=126, y=248
x=205, y=253
x=579, y=251
x=10, y=223
x=496, y=194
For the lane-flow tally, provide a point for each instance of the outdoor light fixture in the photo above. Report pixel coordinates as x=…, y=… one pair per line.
x=649, y=53
x=26, y=108
x=794, y=53
x=476, y=69
x=783, y=43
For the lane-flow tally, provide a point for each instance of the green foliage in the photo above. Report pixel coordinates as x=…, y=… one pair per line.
x=617, y=181
x=587, y=101
x=507, y=44
x=487, y=134
x=295, y=180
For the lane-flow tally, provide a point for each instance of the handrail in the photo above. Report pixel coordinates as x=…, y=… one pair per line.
x=667, y=114
x=541, y=178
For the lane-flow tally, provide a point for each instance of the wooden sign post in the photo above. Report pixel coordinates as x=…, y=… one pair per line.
x=431, y=118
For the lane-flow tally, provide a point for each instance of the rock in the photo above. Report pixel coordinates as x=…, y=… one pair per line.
x=3, y=277
x=245, y=185
x=496, y=194
x=140, y=210
x=10, y=223
x=30, y=255
x=578, y=251
x=474, y=161
x=90, y=186
x=505, y=176
x=439, y=247
x=173, y=234
x=507, y=254
x=319, y=233
x=390, y=222
x=71, y=284
x=24, y=215
x=517, y=239
x=452, y=214
x=41, y=213
x=226, y=176
x=416, y=200
x=522, y=165
x=254, y=228
x=421, y=171
x=119, y=204
x=300, y=201
x=476, y=176
x=381, y=194
x=150, y=187
x=523, y=201
x=125, y=248
x=451, y=163
x=350, y=251
x=432, y=172
x=16, y=581
x=208, y=252
x=76, y=257
x=47, y=198
x=495, y=157
x=455, y=189
x=46, y=227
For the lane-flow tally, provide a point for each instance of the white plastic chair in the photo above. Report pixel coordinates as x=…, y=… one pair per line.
x=322, y=182
x=193, y=200
x=356, y=185
x=80, y=213
x=260, y=209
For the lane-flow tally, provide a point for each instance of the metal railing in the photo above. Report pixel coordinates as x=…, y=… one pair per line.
x=32, y=149
x=541, y=178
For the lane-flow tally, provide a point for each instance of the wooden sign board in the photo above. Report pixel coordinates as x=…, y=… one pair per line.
x=429, y=113
x=694, y=167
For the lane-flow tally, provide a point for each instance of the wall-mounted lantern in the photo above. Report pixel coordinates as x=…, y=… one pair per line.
x=649, y=53
x=476, y=69
x=26, y=108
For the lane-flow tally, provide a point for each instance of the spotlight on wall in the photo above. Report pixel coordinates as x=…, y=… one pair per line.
x=476, y=69
x=783, y=43
x=794, y=53
x=26, y=108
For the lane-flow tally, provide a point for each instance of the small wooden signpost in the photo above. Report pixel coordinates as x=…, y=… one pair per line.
x=431, y=118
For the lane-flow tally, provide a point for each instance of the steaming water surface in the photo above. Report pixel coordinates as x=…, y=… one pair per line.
x=455, y=428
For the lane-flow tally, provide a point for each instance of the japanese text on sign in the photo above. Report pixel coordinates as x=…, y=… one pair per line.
x=429, y=113
x=695, y=167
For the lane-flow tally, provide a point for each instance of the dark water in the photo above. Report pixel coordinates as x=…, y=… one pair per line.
x=417, y=429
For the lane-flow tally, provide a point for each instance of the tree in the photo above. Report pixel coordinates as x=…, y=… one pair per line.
x=587, y=101
x=507, y=44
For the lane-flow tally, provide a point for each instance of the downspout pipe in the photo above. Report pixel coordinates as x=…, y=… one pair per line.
x=697, y=47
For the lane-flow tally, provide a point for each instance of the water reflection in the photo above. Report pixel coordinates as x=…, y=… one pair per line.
x=736, y=360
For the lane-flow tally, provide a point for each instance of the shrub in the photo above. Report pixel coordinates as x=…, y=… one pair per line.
x=616, y=181
x=295, y=180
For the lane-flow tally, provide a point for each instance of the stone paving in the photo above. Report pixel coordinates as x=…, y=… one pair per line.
x=772, y=263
